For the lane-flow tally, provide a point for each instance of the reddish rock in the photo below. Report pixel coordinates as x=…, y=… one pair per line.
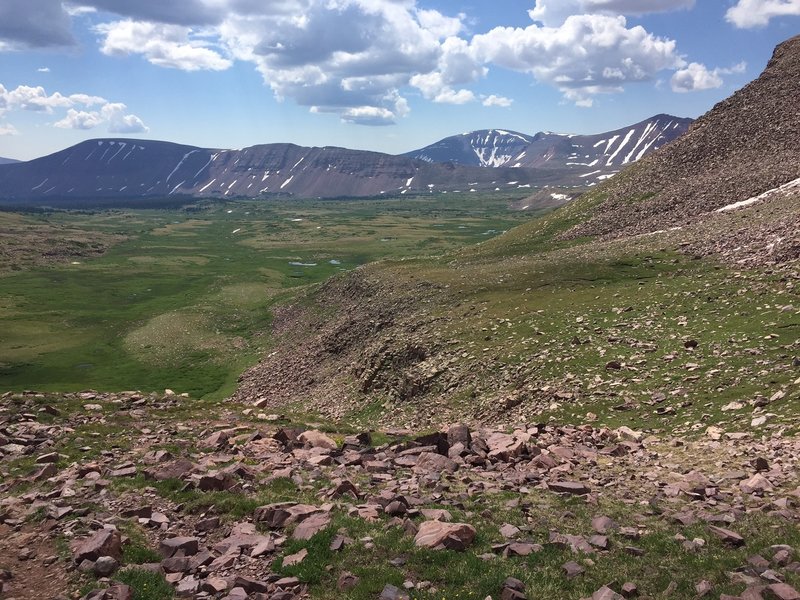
x=346, y=581
x=504, y=447
x=176, y=469
x=781, y=591
x=569, y=487
x=104, y=542
x=316, y=439
x=459, y=434
x=728, y=537
x=436, y=534
x=429, y=461
x=178, y=546
x=281, y=514
x=606, y=593
x=295, y=559
x=215, y=440
x=309, y=527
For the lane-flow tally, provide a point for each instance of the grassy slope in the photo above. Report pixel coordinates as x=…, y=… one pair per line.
x=509, y=313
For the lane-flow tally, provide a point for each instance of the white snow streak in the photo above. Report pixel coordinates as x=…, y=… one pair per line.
x=185, y=156
x=621, y=146
x=206, y=186
x=769, y=193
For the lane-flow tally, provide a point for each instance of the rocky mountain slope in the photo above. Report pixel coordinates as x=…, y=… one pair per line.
x=744, y=147
x=552, y=320
x=125, y=168
x=592, y=158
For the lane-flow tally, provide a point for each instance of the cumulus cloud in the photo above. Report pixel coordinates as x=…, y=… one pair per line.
x=43, y=70
x=499, y=101
x=342, y=56
x=555, y=12
x=758, y=13
x=162, y=44
x=356, y=58
x=36, y=99
x=696, y=77
x=79, y=119
x=34, y=24
x=112, y=114
x=585, y=56
x=8, y=129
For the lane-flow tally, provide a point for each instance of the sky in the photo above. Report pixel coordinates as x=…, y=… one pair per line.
x=383, y=75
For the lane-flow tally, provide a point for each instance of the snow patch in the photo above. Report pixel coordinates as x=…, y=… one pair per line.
x=769, y=193
x=206, y=186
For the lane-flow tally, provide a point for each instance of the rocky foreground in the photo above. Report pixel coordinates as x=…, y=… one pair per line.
x=113, y=495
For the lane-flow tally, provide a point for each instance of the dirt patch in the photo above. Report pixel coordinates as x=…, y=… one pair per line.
x=30, y=555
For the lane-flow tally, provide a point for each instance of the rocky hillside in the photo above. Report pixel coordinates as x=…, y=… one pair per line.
x=744, y=147
x=137, y=495
x=590, y=158
x=546, y=321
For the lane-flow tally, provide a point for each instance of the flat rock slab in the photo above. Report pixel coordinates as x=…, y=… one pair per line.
x=728, y=537
x=569, y=487
x=311, y=526
x=439, y=535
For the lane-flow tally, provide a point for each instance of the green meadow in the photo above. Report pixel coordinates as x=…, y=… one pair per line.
x=184, y=301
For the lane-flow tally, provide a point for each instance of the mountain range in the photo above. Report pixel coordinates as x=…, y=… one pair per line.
x=489, y=160
x=7, y=161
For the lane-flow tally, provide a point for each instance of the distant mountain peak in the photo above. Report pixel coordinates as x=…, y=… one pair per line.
x=608, y=152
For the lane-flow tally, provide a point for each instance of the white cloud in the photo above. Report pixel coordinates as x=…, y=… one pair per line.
x=456, y=66
x=499, y=101
x=76, y=119
x=119, y=122
x=161, y=44
x=78, y=10
x=8, y=129
x=758, y=13
x=555, y=12
x=111, y=113
x=444, y=26
x=697, y=77
x=36, y=99
x=341, y=56
x=355, y=58
x=585, y=56
x=43, y=70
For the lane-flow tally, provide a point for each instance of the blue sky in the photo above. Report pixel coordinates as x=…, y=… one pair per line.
x=385, y=75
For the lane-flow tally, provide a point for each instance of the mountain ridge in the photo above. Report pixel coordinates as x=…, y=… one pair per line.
x=124, y=168
x=610, y=151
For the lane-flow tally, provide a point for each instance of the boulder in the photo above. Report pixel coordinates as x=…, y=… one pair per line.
x=316, y=439
x=104, y=542
x=438, y=535
x=429, y=461
x=281, y=514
